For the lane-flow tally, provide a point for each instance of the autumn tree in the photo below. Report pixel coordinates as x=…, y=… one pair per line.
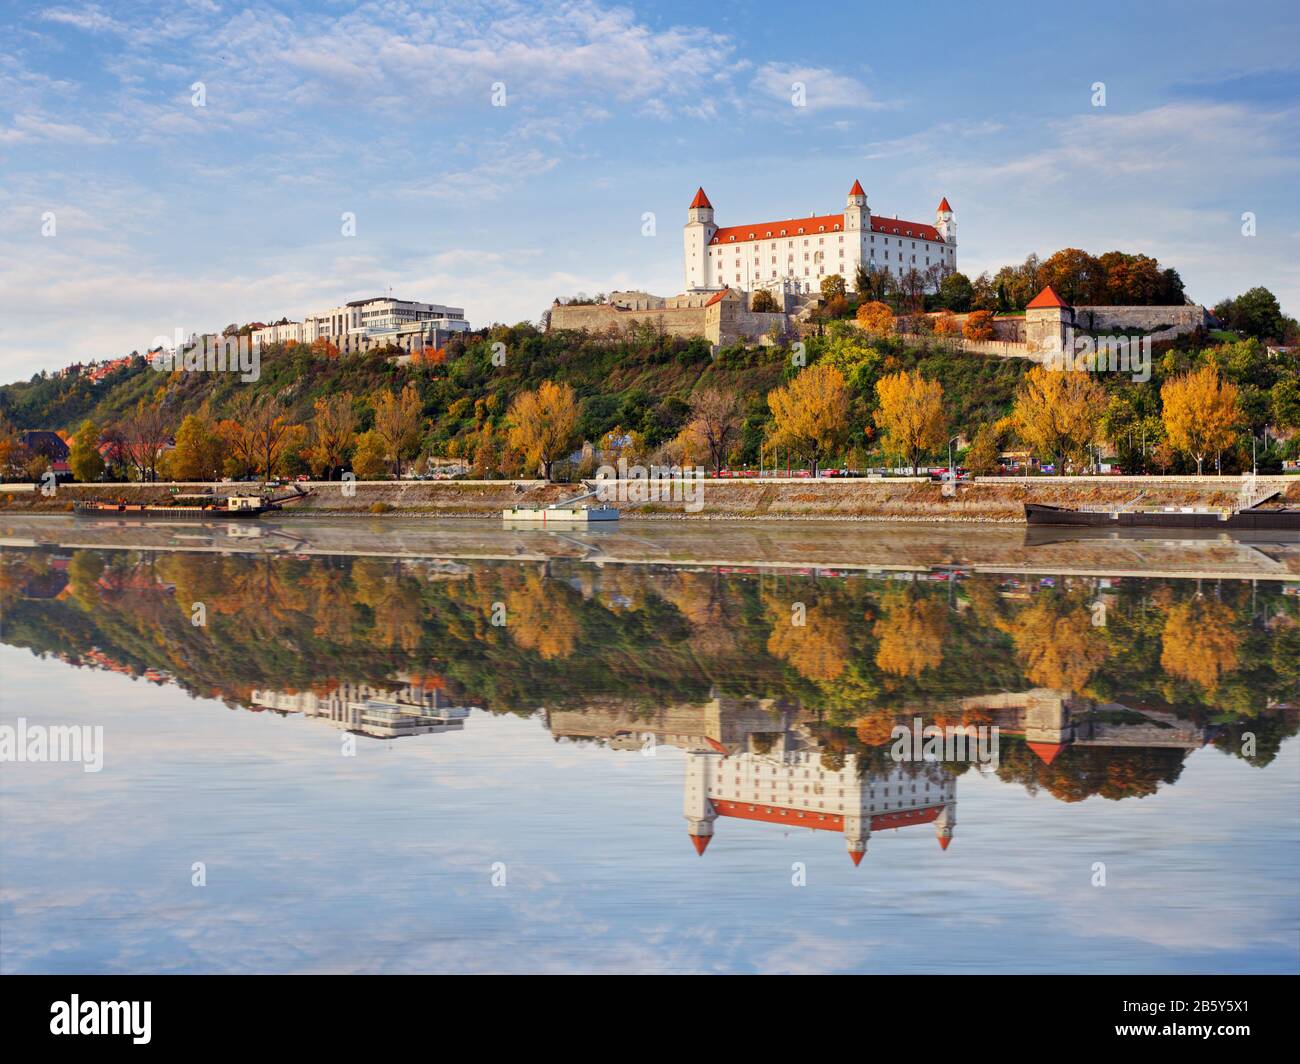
x=811, y=412
x=978, y=325
x=763, y=302
x=910, y=415
x=1200, y=412
x=876, y=318
x=270, y=432
x=543, y=424
x=912, y=631
x=146, y=434
x=399, y=422
x=946, y=324
x=333, y=434
x=370, y=458
x=85, y=461
x=985, y=449
x=199, y=453
x=833, y=287
x=1200, y=642
x=1076, y=275
x=1056, y=413
x=715, y=419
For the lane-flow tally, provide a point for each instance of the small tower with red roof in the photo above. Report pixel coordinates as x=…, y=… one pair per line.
x=943, y=221
x=857, y=215
x=699, y=231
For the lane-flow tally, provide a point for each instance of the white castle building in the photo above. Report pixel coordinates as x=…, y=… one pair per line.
x=797, y=253
x=795, y=790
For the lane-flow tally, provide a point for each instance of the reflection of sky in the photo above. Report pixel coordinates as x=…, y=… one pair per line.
x=382, y=862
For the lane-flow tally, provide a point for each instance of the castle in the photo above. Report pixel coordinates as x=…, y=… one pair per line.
x=794, y=255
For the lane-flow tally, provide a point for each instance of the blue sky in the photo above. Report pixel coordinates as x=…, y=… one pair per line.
x=173, y=216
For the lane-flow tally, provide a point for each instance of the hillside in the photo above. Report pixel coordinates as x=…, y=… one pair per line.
x=640, y=381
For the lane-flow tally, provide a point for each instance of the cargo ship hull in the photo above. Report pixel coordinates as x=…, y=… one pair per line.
x=173, y=513
x=1280, y=520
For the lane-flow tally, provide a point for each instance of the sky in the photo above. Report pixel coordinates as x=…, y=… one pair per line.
x=495, y=156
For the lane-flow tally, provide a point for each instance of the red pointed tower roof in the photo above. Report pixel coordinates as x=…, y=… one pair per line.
x=943, y=842
x=943, y=205
x=701, y=200
x=1046, y=298
x=1046, y=751
x=857, y=856
x=856, y=190
x=701, y=843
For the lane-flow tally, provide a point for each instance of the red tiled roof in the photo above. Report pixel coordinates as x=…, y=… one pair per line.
x=1046, y=298
x=856, y=190
x=857, y=856
x=943, y=205
x=701, y=200
x=701, y=843
x=943, y=842
x=718, y=298
x=822, y=223
x=804, y=818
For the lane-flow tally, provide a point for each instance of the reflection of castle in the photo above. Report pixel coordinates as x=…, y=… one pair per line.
x=752, y=759
x=796, y=790
x=1050, y=720
x=416, y=708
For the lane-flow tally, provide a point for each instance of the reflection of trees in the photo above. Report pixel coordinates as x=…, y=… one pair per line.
x=394, y=600
x=1200, y=643
x=538, y=617
x=1083, y=771
x=642, y=637
x=911, y=631
x=1056, y=641
x=817, y=649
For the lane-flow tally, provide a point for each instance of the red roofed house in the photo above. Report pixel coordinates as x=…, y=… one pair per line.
x=797, y=253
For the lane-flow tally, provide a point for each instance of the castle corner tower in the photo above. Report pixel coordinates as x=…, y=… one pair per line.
x=943, y=221
x=699, y=231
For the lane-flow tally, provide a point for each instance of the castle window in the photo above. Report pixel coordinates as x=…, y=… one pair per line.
x=837, y=229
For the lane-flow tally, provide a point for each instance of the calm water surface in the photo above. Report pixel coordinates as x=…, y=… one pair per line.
x=519, y=751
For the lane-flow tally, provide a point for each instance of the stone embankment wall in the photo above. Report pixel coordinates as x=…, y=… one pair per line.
x=983, y=499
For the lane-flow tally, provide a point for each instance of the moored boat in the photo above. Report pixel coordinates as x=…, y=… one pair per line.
x=202, y=506
x=1276, y=519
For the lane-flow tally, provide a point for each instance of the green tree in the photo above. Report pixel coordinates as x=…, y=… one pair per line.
x=85, y=460
x=956, y=292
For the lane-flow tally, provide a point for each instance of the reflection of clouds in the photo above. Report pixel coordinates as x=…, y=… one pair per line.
x=382, y=862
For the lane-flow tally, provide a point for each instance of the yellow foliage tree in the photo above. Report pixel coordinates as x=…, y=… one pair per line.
x=543, y=424
x=1199, y=642
x=876, y=318
x=333, y=433
x=910, y=415
x=1200, y=412
x=946, y=324
x=199, y=452
x=399, y=423
x=811, y=412
x=1056, y=413
x=911, y=631
x=370, y=459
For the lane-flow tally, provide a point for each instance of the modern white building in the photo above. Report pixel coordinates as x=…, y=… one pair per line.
x=795, y=254
x=374, y=319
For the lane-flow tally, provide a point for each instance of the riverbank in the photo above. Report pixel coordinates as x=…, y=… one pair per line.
x=998, y=500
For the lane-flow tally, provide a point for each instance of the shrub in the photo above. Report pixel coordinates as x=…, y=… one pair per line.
x=978, y=326
x=381, y=507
